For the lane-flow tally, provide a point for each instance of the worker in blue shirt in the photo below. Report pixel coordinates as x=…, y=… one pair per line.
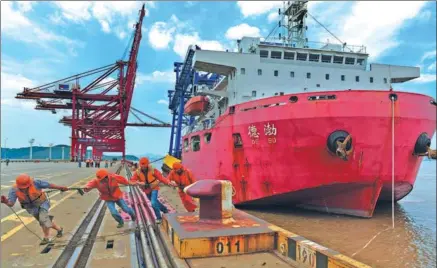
x=32, y=198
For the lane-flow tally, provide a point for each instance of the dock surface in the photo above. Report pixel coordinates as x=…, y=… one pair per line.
x=91, y=238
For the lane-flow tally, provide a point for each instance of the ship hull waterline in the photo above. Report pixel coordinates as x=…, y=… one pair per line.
x=274, y=150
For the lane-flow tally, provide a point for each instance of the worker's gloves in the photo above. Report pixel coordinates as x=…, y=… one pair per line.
x=4, y=199
x=86, y=190
x=173, y=184
x=62, y=188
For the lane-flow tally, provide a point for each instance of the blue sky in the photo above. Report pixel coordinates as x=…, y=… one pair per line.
x=44, y=41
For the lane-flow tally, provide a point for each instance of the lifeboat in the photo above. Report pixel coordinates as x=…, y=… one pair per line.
x=196, y=105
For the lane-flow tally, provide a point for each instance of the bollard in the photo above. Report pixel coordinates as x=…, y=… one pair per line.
x=217, y=229
x=215, y=198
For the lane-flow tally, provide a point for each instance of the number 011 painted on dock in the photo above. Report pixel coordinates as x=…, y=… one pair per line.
x=229, y=245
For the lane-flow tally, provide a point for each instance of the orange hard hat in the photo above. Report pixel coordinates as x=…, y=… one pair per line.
x=177, y=165
x=23, y=181
x=101, y=174
x=144, y=161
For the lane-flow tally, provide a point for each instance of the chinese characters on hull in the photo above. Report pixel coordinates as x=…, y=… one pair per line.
x=270, y=132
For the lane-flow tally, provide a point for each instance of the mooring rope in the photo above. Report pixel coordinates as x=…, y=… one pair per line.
x=24, y=223
x=393, y=161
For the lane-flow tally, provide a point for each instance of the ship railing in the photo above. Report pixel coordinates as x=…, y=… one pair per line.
x=317, y=45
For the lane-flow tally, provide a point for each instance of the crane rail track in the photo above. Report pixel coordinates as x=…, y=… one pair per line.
x=78, y=249
x=150, y=244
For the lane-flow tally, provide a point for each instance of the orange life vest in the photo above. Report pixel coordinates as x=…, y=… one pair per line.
x=33, y=198
x=151, y=181
x=110, y=190
x=183, y=180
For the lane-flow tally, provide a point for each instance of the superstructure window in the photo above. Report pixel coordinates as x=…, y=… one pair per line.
x=327, y=76
x=360, y=61
x=318, y=85
x=385, y=80
x=260, y=72
x=326, y=58
x=302, y=56
x=314, y=57
x=308, y=75
x=238, y=142
x=342, y=77
x=276, y=55
x=276, y=73
x=349, y=61
x=291, y=74
x=263, y=53
x=243, y=71
x=207, y=137
x=289, y=55
x=338, y=59
x=357, y=78
x=371, y=79
x=186, y=147
x=253, y=93
x=195, y=143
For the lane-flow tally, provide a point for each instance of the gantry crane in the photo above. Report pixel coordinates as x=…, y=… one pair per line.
x=100, y=110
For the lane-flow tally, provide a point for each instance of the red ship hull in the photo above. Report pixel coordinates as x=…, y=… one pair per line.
x=288, y=161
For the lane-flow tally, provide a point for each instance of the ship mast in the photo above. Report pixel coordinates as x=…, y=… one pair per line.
x=294, y=16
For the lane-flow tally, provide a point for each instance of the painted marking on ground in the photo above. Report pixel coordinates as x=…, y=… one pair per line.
x=25, y=219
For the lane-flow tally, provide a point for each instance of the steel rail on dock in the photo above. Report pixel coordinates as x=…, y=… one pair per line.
x=78, y=249
x=155, y=251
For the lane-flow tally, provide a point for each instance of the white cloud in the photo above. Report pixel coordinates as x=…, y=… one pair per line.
x=183, y=41
x=426, y=15
x=56, y=18
x=15, y=25
x=75, y=11
x=180, y=34
x=121, y=34
x=255, y=8
x=165, y=102
x=238, y=31
x=25, y=6
x=274, y=16
x=161, y=33
x=156, y=77
x=27, y=67
x=431, y=67
x=379, y=34
x=109, y=14
x=11, y=84
x=429, y=55
x=189, y=3
x=425, y=78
